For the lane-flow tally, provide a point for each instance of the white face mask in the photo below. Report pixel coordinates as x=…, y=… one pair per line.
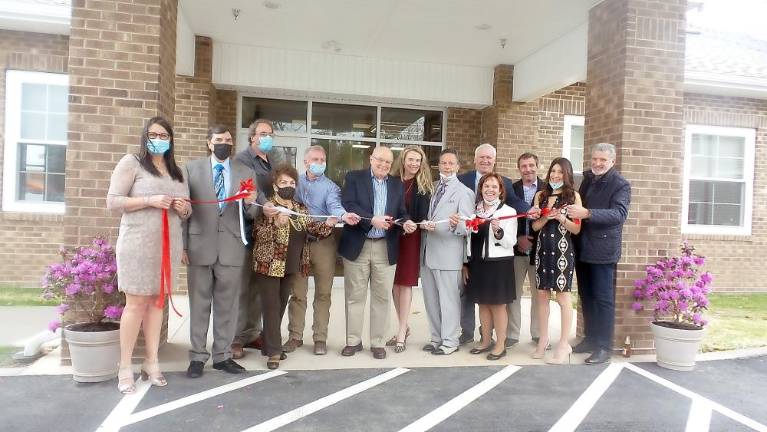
x=446, y=177
x=557, y=185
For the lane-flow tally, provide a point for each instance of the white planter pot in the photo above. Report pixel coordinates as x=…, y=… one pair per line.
x=676, y=348
x=95, y=355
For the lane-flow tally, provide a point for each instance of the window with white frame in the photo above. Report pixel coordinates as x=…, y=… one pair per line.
x=572, y=141
x=718, y=180
x=348, y=132
x=36, y=107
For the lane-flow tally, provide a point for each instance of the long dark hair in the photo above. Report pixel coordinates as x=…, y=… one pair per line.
x=145, y=157
x=567, y=196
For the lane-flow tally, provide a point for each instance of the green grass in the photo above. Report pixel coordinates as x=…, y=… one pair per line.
x=23, y=297
x=736, y=321
x=6, y=359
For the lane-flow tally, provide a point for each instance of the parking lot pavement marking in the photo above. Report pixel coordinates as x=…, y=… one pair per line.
x=699, y=419
x=571, y=419
x=124, y=408
x=455, y=404
x=197, y=397
x=740, y=418
x=325, y=402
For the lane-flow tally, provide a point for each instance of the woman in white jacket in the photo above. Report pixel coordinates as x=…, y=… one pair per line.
x=489, y=272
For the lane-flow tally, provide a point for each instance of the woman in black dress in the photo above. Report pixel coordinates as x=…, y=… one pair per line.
x=554, y=255
x=489, y=273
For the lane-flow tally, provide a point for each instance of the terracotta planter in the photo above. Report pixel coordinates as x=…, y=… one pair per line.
x=95, y=354
x=676, y=348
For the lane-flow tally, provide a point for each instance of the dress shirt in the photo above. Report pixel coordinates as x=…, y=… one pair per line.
x=227, y=174
x=379, y=203
x=320, y=196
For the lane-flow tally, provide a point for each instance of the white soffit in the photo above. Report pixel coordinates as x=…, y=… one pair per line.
x=554, y=66
x=185, y=45
x=725, y=85
x=301, y=73
x=37, y=16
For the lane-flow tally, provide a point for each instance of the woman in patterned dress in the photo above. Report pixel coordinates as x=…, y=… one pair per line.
x=554, y=255
x=142, y=185
x=281, y=256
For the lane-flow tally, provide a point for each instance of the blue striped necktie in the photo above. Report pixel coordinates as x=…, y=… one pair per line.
x=218, y=185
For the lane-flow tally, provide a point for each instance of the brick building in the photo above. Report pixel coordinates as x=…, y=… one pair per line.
x=686, y=106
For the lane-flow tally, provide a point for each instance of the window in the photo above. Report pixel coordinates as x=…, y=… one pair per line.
x=348, y=132
x=718, y=180
x=36, y=109
x=572, y=142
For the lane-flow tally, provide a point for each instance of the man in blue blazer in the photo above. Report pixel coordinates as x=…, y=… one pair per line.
x=606, y=198
x=369, y=249
x=484, y=163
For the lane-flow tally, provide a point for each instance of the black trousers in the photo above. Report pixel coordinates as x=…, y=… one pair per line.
x=274, y=297
x=596, y=289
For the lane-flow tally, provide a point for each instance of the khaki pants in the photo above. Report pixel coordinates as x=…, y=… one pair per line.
x=323, y=261
x=371, y=267
x=522, y=269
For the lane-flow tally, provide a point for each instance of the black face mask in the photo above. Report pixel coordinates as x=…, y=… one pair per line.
x=286, y=192
x=222, y=151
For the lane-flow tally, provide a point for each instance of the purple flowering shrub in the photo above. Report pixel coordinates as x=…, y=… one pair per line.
x=85, y=281
x=678, y=288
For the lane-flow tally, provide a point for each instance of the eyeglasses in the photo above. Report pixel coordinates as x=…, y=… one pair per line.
x=383, y=161
x=265, y=134
x=155, y=135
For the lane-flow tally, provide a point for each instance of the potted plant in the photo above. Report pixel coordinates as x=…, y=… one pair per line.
x=678, y=289
x=85, y=283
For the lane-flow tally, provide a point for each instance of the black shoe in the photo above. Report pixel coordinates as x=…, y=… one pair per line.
x=536, y=339
x=429, y=347
x=465, y=338
x=510, y=342
x=195, y=369
x=494, y=357
x=350, y=350
x=584, y=347
x=598, y=357
x=229, y=366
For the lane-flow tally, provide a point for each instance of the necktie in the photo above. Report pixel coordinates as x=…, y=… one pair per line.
x=438, y=195
x=218, y=185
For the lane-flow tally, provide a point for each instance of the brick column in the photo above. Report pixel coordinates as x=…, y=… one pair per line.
x=195, y=101
x=634, y=99
x=122, y=61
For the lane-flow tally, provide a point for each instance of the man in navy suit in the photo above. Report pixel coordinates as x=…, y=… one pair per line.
x=526, y=188
x=606, y=198
x=484, y=163
x=369, y=249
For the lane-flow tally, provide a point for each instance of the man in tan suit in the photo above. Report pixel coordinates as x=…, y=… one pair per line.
x=215, y=251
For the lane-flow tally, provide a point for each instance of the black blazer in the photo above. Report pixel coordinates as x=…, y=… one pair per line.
x=357, y=197
x=519, y=191
x=608, y=198
x=419, y=205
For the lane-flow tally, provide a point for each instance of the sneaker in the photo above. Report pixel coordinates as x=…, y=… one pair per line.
x=465, y=338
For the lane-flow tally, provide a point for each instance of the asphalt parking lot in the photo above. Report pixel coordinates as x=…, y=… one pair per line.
x=725, y=395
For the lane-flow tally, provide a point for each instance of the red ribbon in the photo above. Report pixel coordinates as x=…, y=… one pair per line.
x=246, y=188
x=474, y=224
x=165, y=267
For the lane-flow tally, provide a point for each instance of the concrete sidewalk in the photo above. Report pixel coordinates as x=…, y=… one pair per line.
x=173, y=355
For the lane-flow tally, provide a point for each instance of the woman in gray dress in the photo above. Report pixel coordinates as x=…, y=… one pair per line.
x=142, y=185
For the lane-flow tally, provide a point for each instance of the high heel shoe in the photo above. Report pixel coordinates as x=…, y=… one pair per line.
x=393, y=341
x=151, y=372
x=559, y=357
x=538, y=353
x=478, y=350
x=492, y=356
x=125, y=381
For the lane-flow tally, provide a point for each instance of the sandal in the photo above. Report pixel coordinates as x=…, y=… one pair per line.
x=125, y=381
x=481, y=350
x=393, y=340
x=151, y=372
x=399, y=347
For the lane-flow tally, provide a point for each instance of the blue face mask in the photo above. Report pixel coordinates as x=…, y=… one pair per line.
x=265, y=143
x=317, y=169
x=557, y=185
x=158, y=146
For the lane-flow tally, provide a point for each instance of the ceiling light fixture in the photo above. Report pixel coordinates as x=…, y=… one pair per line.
x=271, y=4
x=331, y=45
x=235, y=13
x=503, y=42
x=483, y=26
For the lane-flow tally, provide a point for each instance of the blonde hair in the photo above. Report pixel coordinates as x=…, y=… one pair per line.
x=423, y=177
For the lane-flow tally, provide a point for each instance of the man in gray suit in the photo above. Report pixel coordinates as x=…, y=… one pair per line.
x=215, y=251
x=443, y=253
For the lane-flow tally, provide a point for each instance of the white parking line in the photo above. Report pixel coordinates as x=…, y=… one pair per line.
x=207, y=394
x=325, y=402
x=570, y=421
x=452, y=406
x=740, y=418
x=124, y=408
x=699, y=419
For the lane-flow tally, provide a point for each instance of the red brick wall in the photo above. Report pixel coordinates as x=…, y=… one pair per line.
x=28, y=242
x=731, y=258
x=226, y=110
x=634, y=99
x=464, y=127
